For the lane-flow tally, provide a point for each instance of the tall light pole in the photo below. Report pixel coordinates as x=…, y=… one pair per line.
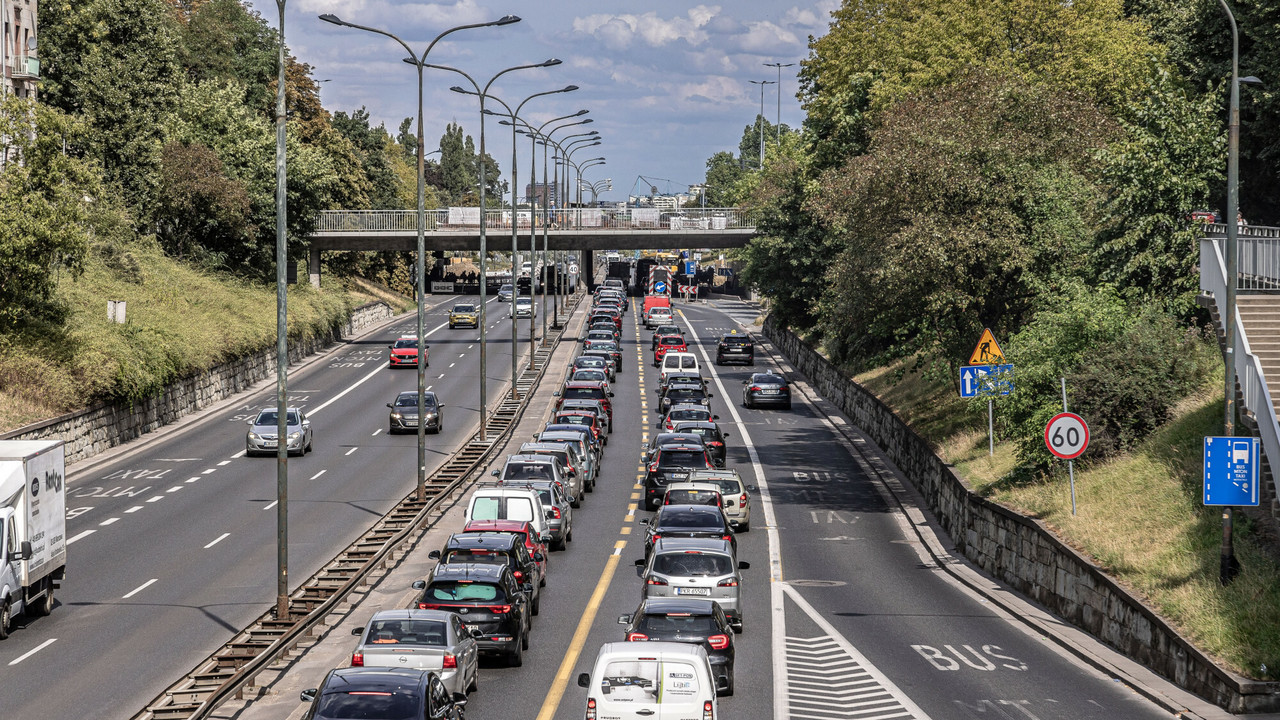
x=482, y=94
x=282, y=340
x=779, y=66
x=1228, y=567
x=562, y=288
x=419, y=62
x=760, y=117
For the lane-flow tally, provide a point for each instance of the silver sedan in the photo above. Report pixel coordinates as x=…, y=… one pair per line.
x=262, y=437
x=421, y=639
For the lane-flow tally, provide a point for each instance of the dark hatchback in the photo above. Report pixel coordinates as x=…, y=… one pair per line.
x=672, y=463
x=683, y=394
x=736, y=347
x=586, y=391
x=497, y=548
x=698, y=622
x=489, y=599
x=376, y=692
x=766, y=389
x=688, y=521
x=712, y=437
x=614, y=349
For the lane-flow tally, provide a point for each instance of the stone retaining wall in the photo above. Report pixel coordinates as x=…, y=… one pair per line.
x=93, y=430
x=1022, y=553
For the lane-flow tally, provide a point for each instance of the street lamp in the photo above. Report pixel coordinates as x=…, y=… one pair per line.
x=779, y=66
x=568, y=154
x=1228, y=567
x=419, y=62
x=482, y=94
x=544, y=139
x=282, y=339
x=760, y=120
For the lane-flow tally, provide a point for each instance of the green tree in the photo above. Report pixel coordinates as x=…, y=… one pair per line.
x=723, y=173
x=460, y=169
x=199, y=207
x=225, y=40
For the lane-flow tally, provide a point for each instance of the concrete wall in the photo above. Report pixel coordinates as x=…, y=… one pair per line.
x=93, y=430
x=1022, y=553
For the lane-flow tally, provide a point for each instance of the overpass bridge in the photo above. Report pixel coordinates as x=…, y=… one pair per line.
x=577, y=229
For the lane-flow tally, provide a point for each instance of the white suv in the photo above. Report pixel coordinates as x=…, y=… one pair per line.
x=501, y=502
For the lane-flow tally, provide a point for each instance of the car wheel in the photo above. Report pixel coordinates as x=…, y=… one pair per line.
x=475, y=681
x=558, y=545
x=576, y=503
x=524, y=640
x=737, y=626
x=729, y=692
x=569, y=536
x=516, y=657
x=45, y=606
x=746, y=402
x=537, y=603
x=788, y=407
x=6, y=616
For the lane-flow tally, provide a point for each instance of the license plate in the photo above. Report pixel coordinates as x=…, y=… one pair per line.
x=268, y=443
x=472, y=628
x=768, y=392
x=693, y=591
x=678, y=476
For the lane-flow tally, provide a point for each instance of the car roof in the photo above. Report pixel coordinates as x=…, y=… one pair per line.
x=666, y=605
x=722, y=473
x=681, y=544
x=581, y=384
x=364, y=679
x=683, y=446
x=482, y=539
x=414, y=614
x=472, y=571
x=632, y=650
x=675, y=438
x=767, y=375
x=708, y=424
x=534, y=448
x=516, y=526
x=523, y=457
x=694, y=485
x=688, y=406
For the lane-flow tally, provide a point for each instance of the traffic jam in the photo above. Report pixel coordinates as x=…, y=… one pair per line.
x=476, y=607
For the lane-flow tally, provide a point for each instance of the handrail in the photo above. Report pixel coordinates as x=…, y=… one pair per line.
x=467, y=219
x=1253, y=383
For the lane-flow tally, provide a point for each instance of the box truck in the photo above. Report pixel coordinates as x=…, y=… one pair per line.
x=33, y=527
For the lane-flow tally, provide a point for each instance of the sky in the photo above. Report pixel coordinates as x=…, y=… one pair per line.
x=667, y=85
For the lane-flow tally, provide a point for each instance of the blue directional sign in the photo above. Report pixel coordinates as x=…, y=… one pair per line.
x=986, y=380
x=660, y=287
x=690, y=267
x=1231, y=471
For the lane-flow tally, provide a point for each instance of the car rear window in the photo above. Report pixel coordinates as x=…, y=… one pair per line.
x=685, y=395
x=450, y=591
x=679, y=681
x=687, y=564
x=528, y=471
x=690, y=414
x=583, y=394
x=407, y=632
x=681, y=459
x=587, y=420
x=486, y=508
x=358, y=705
x=634, y=682
x=668, y=625
x=519, y=508
x=688, y=519
x=736, y=341
x=466, y=555
x=693, y=497
x=688, y=362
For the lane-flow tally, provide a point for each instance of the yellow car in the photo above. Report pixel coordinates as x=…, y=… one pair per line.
x=464, y=314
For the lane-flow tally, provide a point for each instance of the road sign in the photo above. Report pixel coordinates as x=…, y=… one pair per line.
x=1066, y=435
x=986, y=379
x=690, y=267
x=660, y=287
x=1231, y=471
x=987, y=351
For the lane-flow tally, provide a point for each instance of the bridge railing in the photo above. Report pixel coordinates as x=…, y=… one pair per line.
x=467, y=219
x=1258, y=254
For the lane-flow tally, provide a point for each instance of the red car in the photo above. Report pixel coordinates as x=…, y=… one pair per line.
x=666, y=344
x=404, y=352
x=518, y=527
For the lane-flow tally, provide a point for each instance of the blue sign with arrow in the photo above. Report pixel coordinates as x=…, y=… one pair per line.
x=1231, y=471
x=986, y=380
x=660, y=287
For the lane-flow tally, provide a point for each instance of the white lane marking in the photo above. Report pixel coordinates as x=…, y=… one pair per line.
x=430, y=386
x=134, y=509
x=81, y=536
x=452, y=364
x=175, y=488
x=352, y=450
x=191, y=480
x=238, y=455
x=139, y=589
x=210, y=470
x=470, y=346
x=109, y=521
x=375, y=432
x=363, y=380
x=462, y=355
x=155, y=499
x=220, y=538
x=33, y=651
x=313, y=477
x=273, y=504
x=224, y=462
x=441, y=376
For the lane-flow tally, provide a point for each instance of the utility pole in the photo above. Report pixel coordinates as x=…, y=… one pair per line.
x=760, y=117
x=779, y=66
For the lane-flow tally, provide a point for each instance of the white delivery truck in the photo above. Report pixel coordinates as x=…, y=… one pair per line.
x=33, y=527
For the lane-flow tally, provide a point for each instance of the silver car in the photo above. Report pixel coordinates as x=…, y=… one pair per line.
x=695, y=567
x=736, y=494
x=505, y=292
x=423, y=640
x=263, y=433
x=404, y=413
x=523, y=307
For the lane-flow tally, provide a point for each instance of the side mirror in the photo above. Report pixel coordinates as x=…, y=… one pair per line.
x=724, y=434
x=388, y=404
x=744, y=565
x=715, y=417
x=391, y=347
x=545, y=537
x=722, y=683
x=476, y=632
x=584, y=680
x=306, y=423
x=250, y=420
x=744, y=382
x=496, y=473
x=309, y=695
x=639, y=563
x=357, y=631
x=459, y=700
x=752, y=488
x=539, y=557
x=610, y=393
x=434, y=555
x=24, y=550
x=418, y=585
x=556, y=393
x=624, y=619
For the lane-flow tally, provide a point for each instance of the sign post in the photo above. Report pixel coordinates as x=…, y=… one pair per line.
x=1230, y=478
x=1067, y=437
x=986, y=373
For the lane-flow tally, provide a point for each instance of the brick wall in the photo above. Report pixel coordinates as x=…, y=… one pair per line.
x=93, y=430
x=1022, y=553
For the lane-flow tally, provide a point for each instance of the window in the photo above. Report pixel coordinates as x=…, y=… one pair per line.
x=519, y=508
x=449, y=591
x=688, y=363
x=485, y=508
x=681, y=459
x=679, y=680
x=472, y=555
x=407, y=632
x=692, y=565
x=630, y=681
x=677, y=625
x=360, y=705
x=406, y=343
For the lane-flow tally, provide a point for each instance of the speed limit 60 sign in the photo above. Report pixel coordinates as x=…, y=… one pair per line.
x=1066, y=435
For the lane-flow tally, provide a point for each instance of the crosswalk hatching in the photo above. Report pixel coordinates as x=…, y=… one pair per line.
x=825, y=683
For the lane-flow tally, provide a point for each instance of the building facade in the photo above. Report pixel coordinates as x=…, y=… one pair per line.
x=21, y=68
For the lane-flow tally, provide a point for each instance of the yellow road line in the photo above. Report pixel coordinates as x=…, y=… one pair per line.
x=626, y=530
x=635, y=496
x=552, y=703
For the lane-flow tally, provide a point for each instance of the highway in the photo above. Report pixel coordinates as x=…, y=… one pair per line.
x=172, y=543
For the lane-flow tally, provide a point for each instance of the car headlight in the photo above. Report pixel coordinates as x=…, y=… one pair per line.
x=295, y=435
x=395, y=416
x=253, y=435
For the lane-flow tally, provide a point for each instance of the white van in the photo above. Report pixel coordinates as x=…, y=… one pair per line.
x=679, y=362
x=506, y=502
x=651, y=681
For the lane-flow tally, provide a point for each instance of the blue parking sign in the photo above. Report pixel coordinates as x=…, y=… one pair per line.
x=1231, y=471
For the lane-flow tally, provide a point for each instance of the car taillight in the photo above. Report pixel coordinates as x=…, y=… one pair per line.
x=428, y=606
x=715, y=444
x=726, y=537
x=451, y=660
x=708, y=713
x=718, y=642
x=499, y=609
x=556, y=512
x=591, y=709
x=357, y=659
x=727, y=583
x=655, y=581
x=742, y=500
x=631, y=637
x=519, y=575
x=755, y=388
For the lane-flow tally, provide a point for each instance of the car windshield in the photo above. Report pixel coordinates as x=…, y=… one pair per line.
x=690, y=414
x=269, y=417
x=406, y=343
x=665, y=625
x=475, y=555
x=464, y=308
x=506, y=287
x=681, y=459
x=688, y=519
x=678, y=395
x=524, y=301
x=528, y=471
x=589, y=376
x=412, y=400
x=693, y=497
x=578, y=419
x=735, y=340
x=367, y=704
x=767, y=380
x=448, y=590
x=583, y=394
x=407, y=632
x=692, y=564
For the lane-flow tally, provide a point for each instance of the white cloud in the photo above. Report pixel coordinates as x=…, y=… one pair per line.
x=764, y=36
x=620, y=30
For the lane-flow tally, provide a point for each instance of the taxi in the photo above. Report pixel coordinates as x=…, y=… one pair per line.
x=404, y=352
x=464, y=314
x=736, y=347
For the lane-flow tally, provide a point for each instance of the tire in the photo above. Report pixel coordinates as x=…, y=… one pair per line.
x=475, y=681
x=788, y=405
x=746, y=402
x=537, y=604
x=45, y=606
x=524, y=641
x=569, y=537
x=516, y=657
x=558, y=545
x=744, y=527
x=6, y=617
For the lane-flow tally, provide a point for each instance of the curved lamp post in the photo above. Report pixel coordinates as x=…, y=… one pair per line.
x=760, y=122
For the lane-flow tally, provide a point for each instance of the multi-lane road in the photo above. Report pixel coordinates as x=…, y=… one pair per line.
x=846, y=615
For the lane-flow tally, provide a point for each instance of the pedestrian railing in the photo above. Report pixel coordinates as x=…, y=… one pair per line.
x=1258, y=259
x=467, y=219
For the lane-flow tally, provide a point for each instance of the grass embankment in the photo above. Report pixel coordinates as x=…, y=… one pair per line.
x=180, y=320
x=1139, y=516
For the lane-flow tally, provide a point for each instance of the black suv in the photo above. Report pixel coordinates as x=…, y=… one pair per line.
x=712, y=437
x=736, y=347
x=686, y=620
x=489, y=599
x=682, y=394
x=672, y=463
x=497, y=548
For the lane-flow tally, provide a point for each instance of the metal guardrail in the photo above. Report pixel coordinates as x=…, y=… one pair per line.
x=232, y=667
x=468, y=220
x=1253, y=384
x=1258, y=258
